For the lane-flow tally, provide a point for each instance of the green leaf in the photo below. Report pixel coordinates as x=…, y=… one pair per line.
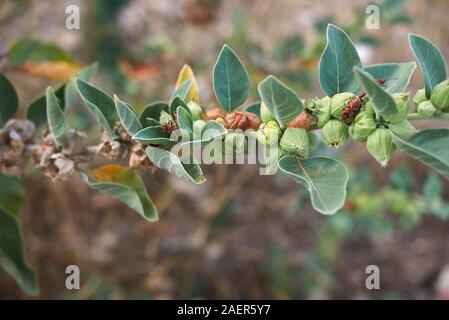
x=9, y=102
x=12, y=253
x=154, y=135
x=184, y=89
x=185, y=122
x=99, y=103
x=57, y=122
x=430, y=61
x=230, y=80
x=396, y=75
x=27, y=49
x=37, y=110
x=280, y=100
x=70, y=92
x=430, y=147
x=211, y=130
x=127, y=116
x=337, y=62
x=324, y=178
x=124, y=185
x=382, y=101
x=152, y=111
x=178, y=102
x=432, y=189
x=254, y=108
x=166, y=160
x=12, y=193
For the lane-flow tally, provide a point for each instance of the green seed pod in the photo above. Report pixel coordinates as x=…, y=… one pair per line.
x=380, y=145
x=426, y=109
x=364, y=124
x=402, y=103
x=195, y=110
x=165, y=117
x=266, y=114
x=368, y=108
x=335, y=133
x=321, y=109
x=272, y=132
x=440, y=95
x=198, y=127
x=296, y=141
x=339, y=102
x=403, y=129
x=420, y=96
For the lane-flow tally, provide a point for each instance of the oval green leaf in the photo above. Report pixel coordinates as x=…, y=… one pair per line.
x=254, y=108
x=152, y=111
x=397, y=76
x=164, y=159
x=230, y=80
x=430, y=61
x=430, y=147
x=99, y=103
x=325, y=179
x=12, y=253
x=382, y=101
x=154, y=135
x=57, y=121
x=183, y=90
x=185, y=122
x=9, y=101
x=280, y=99
x=126, y=186
x=337, y=62
x=127, y=116
x=37, y=110
x=70, y=92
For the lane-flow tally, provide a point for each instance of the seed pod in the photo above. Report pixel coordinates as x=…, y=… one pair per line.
x=266, y=114
x=364, y=125
x=272, y=132
x=420, y=96
x=440, y=95
x=380, y=145
x=303, y=120
x=242, y=120
x=296, y=141
x=403, y=129
x=339, y=102
x=335, y=133
x=321, y=109
x=402, y=103
x=368, y=108
x=195, y=110
x=198, y=127
x=138, y=158
x=426, y=109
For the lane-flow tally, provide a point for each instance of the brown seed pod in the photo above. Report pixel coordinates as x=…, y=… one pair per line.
x=303, y=120
x=213, y=114
x=13, y=140
x=139, y=159
x=242, y=120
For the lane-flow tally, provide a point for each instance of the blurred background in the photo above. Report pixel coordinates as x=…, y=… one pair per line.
x=240, y=235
